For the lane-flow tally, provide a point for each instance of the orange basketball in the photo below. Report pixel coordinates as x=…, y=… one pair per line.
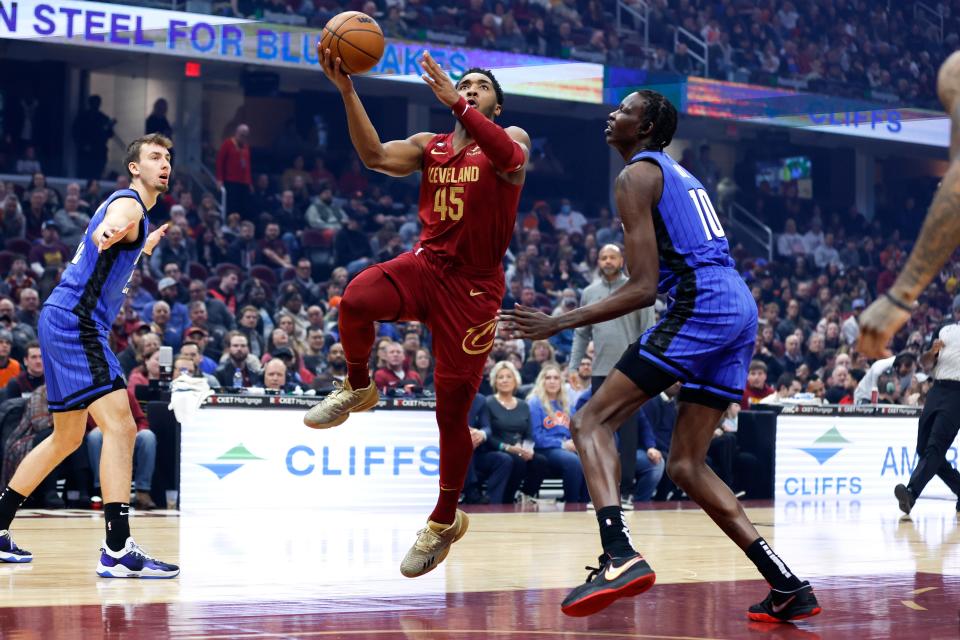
x=355, y=38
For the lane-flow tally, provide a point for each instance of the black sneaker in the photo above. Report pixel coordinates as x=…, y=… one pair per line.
x=905, y=497
x=786, y=606
x=614, y=579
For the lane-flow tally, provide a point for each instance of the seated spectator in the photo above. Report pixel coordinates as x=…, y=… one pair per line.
x=335, y=370
x=238, y=371
x=757, y=387
x=323, y=213
x=393, y=375
x=225, y=291
x=423, y=367
x=898, y=369
x=23, y=334
x=144, y=373
x=578, y=381
x=840, y=386
x=507, y=457
x=144, y=455
x=9, y=367
x=787, y=387
x=139, y=297
x=541, y=353
x=175, y=249
x=14, y=222
x=550, y=420
x=29, y=313
x=272, y=250
x=313, y=354
x=19, y=277
x=31, y=378
x=193, y=350
x=176, y=317
x=143, y=343
x=275, y=374
x=248, y=326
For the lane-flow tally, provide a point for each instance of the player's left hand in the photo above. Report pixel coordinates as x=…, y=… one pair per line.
x=154, y=238
x=438, y=80
x=110, y=236
x=878, y=323
x=527, y=322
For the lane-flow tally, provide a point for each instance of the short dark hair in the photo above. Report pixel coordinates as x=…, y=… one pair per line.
x=757, y=365
x=661, y=112
x=33, y=344
x=133, y=149
x=496, y=85
x=785, y=380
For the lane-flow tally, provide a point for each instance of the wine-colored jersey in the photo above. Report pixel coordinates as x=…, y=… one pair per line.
x=467, y=211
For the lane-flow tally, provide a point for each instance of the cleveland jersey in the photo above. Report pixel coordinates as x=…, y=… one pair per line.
x=467, y=212
x=94, y=284
x=689, y=235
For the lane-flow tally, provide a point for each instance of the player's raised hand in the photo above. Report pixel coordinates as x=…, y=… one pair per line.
x=110, y=235
x=154, y=238
x=334, y=70
x=438, y=80
x=528, y=323
x=878, y=323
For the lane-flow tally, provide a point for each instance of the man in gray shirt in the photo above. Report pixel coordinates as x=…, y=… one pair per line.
x=610, y=340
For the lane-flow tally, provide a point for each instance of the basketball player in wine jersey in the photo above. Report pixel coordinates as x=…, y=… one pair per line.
x=453, y=279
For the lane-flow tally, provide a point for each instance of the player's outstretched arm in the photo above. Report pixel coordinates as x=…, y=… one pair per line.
x=508, y=149
x=638, y=188
x=939, y=237
x=121, y=223
x=395, y=158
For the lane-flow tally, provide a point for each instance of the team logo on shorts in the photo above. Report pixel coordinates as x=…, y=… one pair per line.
x=479, y=339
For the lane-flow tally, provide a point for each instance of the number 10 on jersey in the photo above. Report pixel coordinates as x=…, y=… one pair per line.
x=708, y=215
x=449, y=205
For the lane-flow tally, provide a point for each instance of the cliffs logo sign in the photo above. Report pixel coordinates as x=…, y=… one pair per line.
x=230, y=461
x=826, y=446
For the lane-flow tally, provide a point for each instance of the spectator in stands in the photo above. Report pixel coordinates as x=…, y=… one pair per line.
x=234, y=171
x=840, y=386
x=92, y=129
x=247, y=325
x=352, y=246
x=568, y=219
x=194, y=344
x=898, y=370
x=238, y=362
x=541, y=353
x=394, y=25
x=157, y=120
x=36, y=212
x=335, y=371
x=272, y=250
x=507, y=457
x=29, y=313
x=19, y=277
x=681, y=62
x=423, y=366
x=787, y=387
x=9, y=367
x=49, y=251
x=145, y=372
x=275, y=373
x=394, y=375
x=225, y=291
x=243, y=251
x=314, y=355
x=324, y=213
x=28, y=163
x=550, y=420
x=71, y=221
x=31, y=378
x=757, y=387
x=219, y=317
x=141, y=346
x=144, y=455
x=174, y=250
x=578, y=380
x=161, y=325
x=826, y=254
x=39, y=183
x=14, y=222
x=23, y=334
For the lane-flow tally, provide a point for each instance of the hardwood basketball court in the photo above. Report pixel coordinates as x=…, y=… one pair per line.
x=268, y=573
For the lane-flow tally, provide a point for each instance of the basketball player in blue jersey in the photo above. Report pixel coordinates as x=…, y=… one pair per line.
x=675, y=245
x=82, y=373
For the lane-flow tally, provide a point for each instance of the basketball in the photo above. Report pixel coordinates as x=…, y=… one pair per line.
x=355, y=38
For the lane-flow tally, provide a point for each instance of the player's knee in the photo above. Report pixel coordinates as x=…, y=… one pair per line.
x=68, y=440
x=681, y=471
x=578, y=426
x=126, y=429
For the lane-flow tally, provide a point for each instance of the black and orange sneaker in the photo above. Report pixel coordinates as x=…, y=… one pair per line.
x=615, y=578
x=786, y=606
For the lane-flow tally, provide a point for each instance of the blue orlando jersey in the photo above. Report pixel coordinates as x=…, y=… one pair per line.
x=689, y=235
x=94, y=284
